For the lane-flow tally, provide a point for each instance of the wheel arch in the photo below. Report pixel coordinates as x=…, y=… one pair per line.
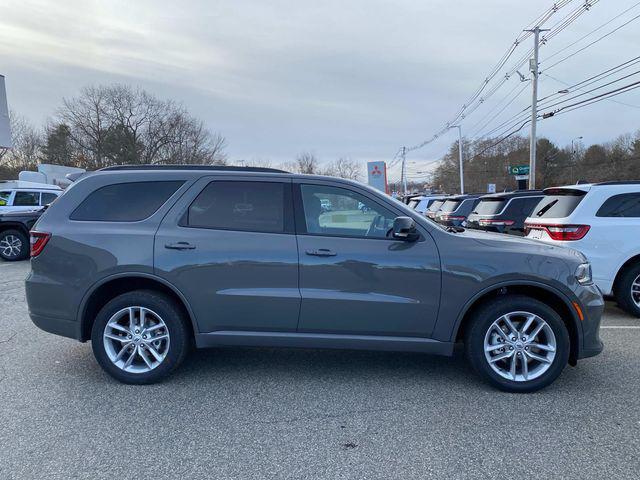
x=14, y=226
x=114, y=285
x=628, y=263
x=539, y=291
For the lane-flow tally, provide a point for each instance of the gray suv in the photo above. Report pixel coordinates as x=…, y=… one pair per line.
x=146, y=262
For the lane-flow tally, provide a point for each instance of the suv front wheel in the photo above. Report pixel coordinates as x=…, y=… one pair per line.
x=517, y=343
x=140, y=337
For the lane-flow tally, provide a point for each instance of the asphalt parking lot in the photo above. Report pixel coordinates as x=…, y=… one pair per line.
x=265, y=413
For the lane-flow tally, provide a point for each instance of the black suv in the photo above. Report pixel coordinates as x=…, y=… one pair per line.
x=504, y=212
x=455, y=209
x=14, y=234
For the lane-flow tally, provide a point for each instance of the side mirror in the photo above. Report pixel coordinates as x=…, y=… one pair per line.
x=404, y=228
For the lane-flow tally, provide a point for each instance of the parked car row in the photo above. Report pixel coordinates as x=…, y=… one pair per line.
x=600, y=220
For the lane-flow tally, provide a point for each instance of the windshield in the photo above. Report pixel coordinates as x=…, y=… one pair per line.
x=490, y=206
x=435, y=205
x=558, y=203
x=414, y=203
x=450, y=205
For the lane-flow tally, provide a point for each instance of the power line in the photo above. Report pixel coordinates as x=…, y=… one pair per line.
x=579, y=88
x=593, y=43
x=592, y=32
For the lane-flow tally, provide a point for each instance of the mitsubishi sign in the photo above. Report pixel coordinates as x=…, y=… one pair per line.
x=377, y=175
x=5, y=131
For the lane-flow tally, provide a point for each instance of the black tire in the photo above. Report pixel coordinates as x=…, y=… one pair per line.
x=24, y=245
x=492, y=310
x=622, y=290
x=175, y=321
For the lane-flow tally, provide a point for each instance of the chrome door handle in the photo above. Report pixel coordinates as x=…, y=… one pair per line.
x=179, y=246
x=321, y=252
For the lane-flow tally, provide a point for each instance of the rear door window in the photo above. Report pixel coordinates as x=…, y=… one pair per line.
x=241, y=206
x=623, y=205
x=558, y=203
x=125, y=202
x=490, y=206
x=27, y=199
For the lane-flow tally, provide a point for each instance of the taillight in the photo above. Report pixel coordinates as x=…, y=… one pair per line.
x=496, y=223
x=561, y=232
x=38, y=241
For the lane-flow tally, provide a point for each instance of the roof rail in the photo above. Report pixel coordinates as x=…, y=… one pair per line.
x=224, y=168
x=620, y=182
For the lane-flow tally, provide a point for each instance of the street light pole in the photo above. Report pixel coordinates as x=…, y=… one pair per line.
x=573, y=154
x=460, y=157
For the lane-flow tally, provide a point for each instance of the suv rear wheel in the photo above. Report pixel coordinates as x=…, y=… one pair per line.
x=140, y=337
x=517, y=343
x=14, y=245
x=627, y=290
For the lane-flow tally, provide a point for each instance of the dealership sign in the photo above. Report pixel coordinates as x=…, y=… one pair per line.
x=5, y=131
x=377, y=175
x=518, y=169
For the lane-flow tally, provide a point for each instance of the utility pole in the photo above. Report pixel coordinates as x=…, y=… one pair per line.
x=533, y=66
x=460, y=157
x=403, y=175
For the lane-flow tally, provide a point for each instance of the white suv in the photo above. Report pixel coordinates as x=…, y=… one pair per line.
x=20, y=196
x=601, y=220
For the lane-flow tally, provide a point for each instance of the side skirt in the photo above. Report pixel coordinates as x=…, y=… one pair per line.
x=321, y=340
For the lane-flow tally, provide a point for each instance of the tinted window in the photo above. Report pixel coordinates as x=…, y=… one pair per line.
x=47, y=198
x=245, y=206
x=435, y=205
x=125, y=202
x=525, y=205
x=558, y=203
x=450, y=205
x=26, y=199
x=623, y=205
x=4, y=198
x=490, y=206
x=350, y=214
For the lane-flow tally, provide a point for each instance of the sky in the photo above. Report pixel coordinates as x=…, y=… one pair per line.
x=356, y=78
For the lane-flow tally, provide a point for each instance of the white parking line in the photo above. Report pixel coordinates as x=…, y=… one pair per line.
x=623, y=327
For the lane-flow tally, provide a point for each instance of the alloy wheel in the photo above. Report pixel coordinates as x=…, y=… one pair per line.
x=136, y=339
x=635, y=291
x=10, y=246
x=520, y=346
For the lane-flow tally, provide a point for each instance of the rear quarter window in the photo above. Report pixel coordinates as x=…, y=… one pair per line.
x=623, y=205
x=558, y=203
x=125, y=202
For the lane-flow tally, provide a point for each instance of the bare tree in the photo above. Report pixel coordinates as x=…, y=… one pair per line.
x=306, y=162
x=344, y=168
x=118, y=124
x=27, y=143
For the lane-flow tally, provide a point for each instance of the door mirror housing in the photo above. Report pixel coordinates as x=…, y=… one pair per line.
x=404, y=228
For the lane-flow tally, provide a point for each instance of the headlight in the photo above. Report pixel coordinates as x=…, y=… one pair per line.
x=583, y=274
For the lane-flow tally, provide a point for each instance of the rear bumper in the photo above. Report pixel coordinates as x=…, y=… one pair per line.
x=57, y=326
x=592, y=305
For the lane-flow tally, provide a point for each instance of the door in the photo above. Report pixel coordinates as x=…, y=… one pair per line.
x=25, y=201
x=229, y=246
x=354, y=279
